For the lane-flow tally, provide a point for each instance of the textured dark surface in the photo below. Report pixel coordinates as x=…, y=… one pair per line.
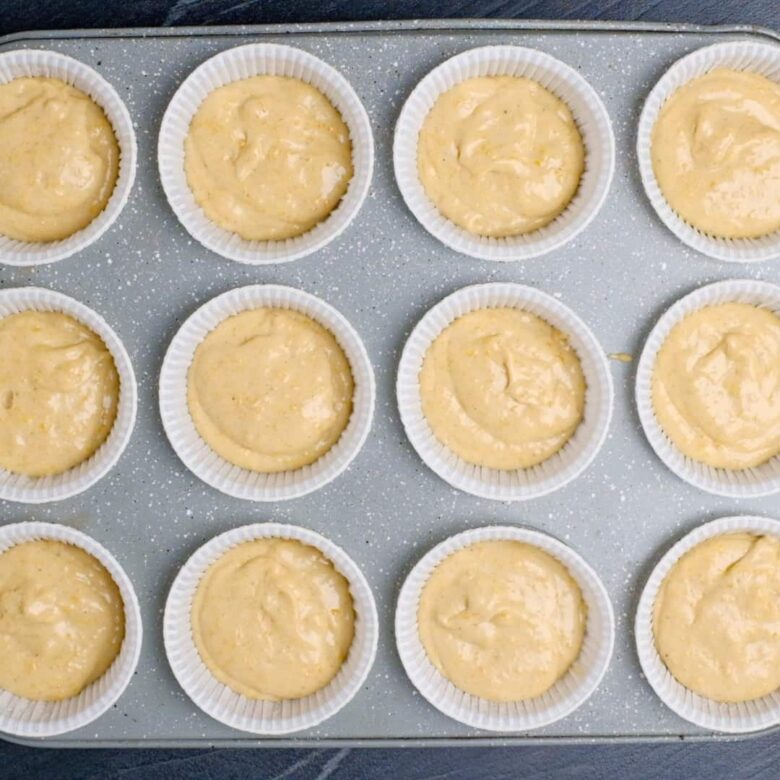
x=757, y=759
x=62, y=14
x=752, y=758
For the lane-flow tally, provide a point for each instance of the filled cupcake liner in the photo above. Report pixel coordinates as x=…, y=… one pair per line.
x=243, y=62
x=569, y=693
x=198, y=456
x=760, y=480
x=734, y=718
x=758, y=58
x=565, y=83
x=28, y=718
x=260, y=716
x=50, y=64
x=56, y=487
x=519, y=484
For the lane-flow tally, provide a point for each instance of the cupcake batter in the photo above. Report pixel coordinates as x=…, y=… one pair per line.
x=59, y=392
x=717, y=618
x=500, y=156
x=716, y=153
x=59, y=159
x=268, y=157
x=716, y=385
x=273, y=619
x=270, y=390
x=502, y=620
x=62, y=620
x=502, y=388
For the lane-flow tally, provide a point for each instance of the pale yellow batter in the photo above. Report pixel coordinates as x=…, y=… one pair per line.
x=717, y=618
x=59, y=159
x=502, y=388
x=716, y=385
x=273, y=619
x=62, y=620
x=59, y=391
x=502, y=620
x=500, y=155
x=270, y=390
x=716, y=153
x=268, y=157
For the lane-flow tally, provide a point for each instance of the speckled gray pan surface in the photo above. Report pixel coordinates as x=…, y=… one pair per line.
x=146, y=275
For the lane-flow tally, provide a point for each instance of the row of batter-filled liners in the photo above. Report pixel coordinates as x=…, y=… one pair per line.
x=250, y=60
x=550, y=475
x=28, y=718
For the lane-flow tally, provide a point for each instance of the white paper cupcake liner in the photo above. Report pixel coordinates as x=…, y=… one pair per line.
x=204, y=462
x=242, y=62
x=28, y=718
x=50, y=64
x=56, y=487
x=520, y=484
x=569, y=693
x=709, y=714
x=760, y=480
x=565, y=83
x=737, y=55
x=259, y=716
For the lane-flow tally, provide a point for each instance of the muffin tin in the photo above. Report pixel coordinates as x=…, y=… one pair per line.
x=146, y=275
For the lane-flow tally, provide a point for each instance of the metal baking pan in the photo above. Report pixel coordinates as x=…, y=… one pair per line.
x=146, y=275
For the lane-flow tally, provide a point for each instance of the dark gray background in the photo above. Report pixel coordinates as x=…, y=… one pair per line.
x=754, y=758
